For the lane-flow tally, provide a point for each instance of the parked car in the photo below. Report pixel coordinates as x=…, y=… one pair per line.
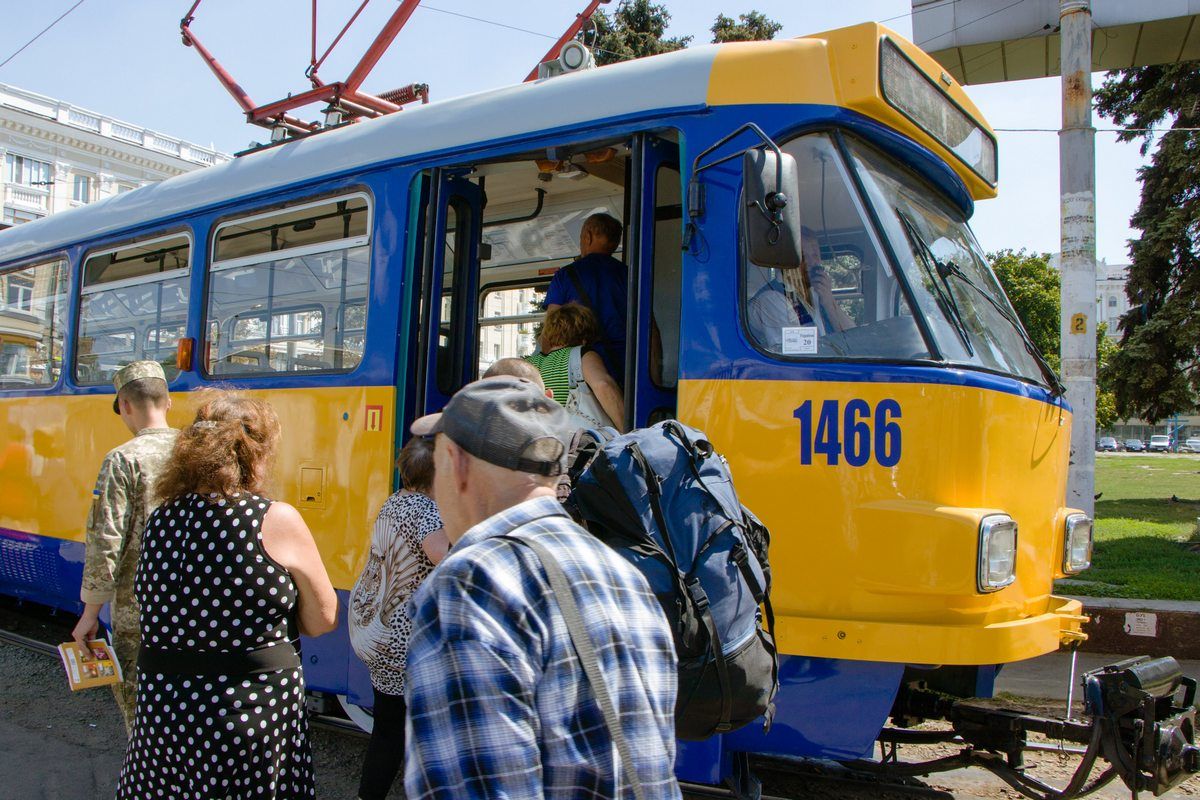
x=1134, y=445
x=1190, y=446
x=1159, y=443
x=1107, y=444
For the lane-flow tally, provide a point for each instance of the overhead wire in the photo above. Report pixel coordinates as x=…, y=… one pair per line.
x=951, y=2
x=42, y=32
x=502, y=25
x=1100, y=130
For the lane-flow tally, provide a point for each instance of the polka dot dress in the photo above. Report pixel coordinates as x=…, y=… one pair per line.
x=206, y=584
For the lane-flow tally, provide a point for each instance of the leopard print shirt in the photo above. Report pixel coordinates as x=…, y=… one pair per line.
x=379, y=623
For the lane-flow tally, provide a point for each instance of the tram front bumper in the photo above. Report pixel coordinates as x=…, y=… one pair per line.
x=1001, y=642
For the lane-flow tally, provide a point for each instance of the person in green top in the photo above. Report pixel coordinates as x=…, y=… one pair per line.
x=576, y=374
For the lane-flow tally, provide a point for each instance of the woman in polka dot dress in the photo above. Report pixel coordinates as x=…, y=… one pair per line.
x=225, y=581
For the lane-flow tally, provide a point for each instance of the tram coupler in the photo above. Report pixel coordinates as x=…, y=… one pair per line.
x=1150, y=739
x=1139, y=716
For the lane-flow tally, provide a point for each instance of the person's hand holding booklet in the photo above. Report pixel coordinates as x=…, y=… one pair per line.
x=95, y=665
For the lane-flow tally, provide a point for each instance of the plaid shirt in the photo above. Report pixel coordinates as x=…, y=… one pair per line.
x=498, y=702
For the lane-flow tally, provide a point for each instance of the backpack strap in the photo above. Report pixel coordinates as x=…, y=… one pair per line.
x=575, y=367
x=586, y=651
x=700, y=600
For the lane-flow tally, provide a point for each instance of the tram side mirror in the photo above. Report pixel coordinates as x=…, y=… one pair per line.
x=772, y=212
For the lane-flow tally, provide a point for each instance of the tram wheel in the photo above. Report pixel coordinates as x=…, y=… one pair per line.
x=362, y=717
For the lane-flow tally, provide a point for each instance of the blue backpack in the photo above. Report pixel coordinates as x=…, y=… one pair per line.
x=663, y=498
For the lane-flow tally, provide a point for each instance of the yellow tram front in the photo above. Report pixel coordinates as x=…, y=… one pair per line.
x=883, y=409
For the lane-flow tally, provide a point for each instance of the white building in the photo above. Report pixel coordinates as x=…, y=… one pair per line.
x=55, y=156
x=1111, y=301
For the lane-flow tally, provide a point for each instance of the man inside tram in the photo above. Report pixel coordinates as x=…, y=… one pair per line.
x=796, y=298
x=600, y=282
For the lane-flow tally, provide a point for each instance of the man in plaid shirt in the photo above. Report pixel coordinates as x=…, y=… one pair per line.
x=499, y=703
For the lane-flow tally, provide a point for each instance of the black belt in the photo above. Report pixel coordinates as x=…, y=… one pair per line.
x=281, y=655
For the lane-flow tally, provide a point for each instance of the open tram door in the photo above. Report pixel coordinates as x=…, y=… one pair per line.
x=450, y=279
x=654, y=229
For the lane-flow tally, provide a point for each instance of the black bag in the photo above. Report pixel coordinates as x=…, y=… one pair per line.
x=663, y=498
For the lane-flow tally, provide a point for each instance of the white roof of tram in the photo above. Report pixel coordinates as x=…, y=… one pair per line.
x=674, y=80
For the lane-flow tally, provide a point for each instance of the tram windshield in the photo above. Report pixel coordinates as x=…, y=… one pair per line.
x=957, y=293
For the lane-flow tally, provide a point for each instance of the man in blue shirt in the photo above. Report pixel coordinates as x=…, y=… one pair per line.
x=499, y=703
x=600, y=282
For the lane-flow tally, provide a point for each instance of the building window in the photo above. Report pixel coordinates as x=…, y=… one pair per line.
x=83, y=189
x=288, y=289
x=14, y=217
x=122, y=188
x=33, y=301
x=26, y=171
x=1112, y=302
x=19, y=292
x=134, y=306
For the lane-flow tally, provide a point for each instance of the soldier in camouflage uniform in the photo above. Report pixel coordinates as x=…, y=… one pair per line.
x=121, y=502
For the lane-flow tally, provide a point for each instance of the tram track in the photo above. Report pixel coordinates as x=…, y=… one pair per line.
x=781, y=781
x=28, y=643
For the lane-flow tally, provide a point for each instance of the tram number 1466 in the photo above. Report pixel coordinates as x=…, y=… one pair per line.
x=853, y=432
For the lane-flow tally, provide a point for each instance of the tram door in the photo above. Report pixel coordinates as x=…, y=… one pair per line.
x=656, y=221
x=451, y=283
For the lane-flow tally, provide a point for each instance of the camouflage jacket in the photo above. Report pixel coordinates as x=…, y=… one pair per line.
x=121, y=503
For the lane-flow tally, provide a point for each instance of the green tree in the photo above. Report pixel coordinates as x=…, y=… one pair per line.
x=1033, y=287
x=637, y=28
x=1154, y=373
x=752, y=27
x=1106, y=398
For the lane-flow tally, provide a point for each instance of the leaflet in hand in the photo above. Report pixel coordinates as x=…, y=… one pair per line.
x=87, y=670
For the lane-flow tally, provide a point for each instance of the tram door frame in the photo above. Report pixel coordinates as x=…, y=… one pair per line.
x=438, y=378
x=446, y=346
x=648, y=400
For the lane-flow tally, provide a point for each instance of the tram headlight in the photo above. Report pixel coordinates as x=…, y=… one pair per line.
x=1077, y=544
x=997, y=552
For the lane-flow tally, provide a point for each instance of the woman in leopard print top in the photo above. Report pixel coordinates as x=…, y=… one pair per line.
x=405, y=544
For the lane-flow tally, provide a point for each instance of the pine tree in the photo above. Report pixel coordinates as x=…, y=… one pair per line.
x=1154, y=373
x=636, y=29
x=753, y=27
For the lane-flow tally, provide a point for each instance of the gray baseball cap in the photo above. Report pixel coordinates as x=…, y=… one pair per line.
x=505, y=421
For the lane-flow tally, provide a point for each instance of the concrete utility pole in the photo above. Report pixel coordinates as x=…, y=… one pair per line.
x=1077, y=190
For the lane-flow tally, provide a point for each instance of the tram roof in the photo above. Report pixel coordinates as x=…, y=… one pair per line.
x=688, y=79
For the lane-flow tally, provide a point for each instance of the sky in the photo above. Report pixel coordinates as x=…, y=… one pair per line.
x=124, y=58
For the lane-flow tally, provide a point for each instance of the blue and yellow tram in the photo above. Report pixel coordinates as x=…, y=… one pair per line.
x=905, y=447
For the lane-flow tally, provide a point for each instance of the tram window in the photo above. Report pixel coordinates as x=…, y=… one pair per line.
x=143, y=285
x=33, y=305
x=508, y=319
x=311, y=224
x=845, y=301
x=287, y=290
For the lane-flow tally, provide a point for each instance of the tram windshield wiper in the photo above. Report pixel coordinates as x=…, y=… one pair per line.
x=937, y=281
x=948, y=268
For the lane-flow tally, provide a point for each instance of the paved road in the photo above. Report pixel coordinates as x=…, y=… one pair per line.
x=55, y=745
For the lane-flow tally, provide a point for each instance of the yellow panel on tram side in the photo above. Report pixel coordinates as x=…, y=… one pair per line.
x=838, y=68
x=335, y=462
x=879, y=562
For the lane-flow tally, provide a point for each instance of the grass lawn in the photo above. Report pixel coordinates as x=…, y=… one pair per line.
x=1141, y=532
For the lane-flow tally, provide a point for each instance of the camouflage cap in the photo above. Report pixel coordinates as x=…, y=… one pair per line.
x=135, y=371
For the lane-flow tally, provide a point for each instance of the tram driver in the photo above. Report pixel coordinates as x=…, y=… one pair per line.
x=796, y=298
